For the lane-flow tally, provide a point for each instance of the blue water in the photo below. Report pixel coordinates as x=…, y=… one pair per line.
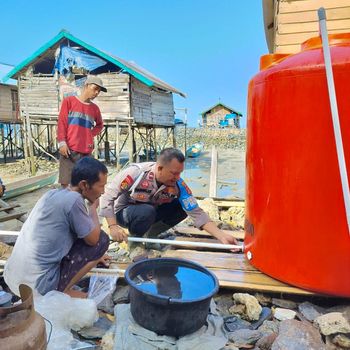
x=182, y=283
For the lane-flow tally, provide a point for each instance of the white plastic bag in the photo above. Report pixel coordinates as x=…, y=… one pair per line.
x=65, y=313
x=101, y=286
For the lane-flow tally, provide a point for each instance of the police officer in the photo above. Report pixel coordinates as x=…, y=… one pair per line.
x=149, y=198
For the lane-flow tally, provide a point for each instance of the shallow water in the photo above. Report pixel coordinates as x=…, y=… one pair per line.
x=176, y=282
x=231, y=174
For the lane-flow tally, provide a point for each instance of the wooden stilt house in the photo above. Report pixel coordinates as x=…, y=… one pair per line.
x=136, y=99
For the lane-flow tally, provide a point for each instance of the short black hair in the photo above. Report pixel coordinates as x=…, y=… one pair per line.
x=88, y=169
x=168, y=154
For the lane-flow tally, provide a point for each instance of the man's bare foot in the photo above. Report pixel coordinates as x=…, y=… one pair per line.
x=76, y=293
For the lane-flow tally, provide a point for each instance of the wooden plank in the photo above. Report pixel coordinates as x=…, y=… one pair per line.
x=311, y=16
x=9, y=207
x=287, y=48
x=234, y=271
x=217, y=260
x=310, y=5
x=12, y=216
x=213, y=173
x=3, y=204
x=298, y=38
x=254, y=281
x=312, y=26
x=195, y=231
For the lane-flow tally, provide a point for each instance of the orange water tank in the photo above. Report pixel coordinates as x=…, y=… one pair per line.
x=296, y=227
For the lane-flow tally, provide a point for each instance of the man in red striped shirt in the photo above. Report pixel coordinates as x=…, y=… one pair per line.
x=78, y=122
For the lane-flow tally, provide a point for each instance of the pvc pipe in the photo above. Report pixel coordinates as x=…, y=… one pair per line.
x=9, y=233
x=185, y=243
x=335, y=114
x=106, y=270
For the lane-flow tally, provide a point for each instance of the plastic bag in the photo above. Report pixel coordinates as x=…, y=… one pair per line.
x=63, y=313
x=101, y=286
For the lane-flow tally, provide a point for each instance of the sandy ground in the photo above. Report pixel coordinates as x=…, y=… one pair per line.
x=231, y=169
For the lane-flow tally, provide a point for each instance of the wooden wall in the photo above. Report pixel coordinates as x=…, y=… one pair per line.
x=126, y=98
x=297, y=20
x=38, y=96
x=149, y=106
x=115, y=103
x=7, y=113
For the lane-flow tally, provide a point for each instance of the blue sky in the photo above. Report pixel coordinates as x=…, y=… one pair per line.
x=208, y=49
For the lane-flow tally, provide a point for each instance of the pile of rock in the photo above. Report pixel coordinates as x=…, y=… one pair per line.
x=221, y=138
x=282, y=324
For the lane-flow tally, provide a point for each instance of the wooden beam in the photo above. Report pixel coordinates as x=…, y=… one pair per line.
x=9, y=207
x=12, y=216
x=3, y=204
x=213, y=172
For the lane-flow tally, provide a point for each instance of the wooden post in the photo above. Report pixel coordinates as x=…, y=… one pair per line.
x=28, y=131
x=185, y=131
x=213, y=173
x=117, y=146
x=96, y=147
x=107, y=157
x=2, y=126
x=174, y=139
x=155, y=143
x=131, y=143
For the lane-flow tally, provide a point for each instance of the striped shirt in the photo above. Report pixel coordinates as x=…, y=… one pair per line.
x=78, y=123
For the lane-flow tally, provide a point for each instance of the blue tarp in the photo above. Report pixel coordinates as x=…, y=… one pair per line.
x=230, y=116
x=70, y=57
x=223, y=123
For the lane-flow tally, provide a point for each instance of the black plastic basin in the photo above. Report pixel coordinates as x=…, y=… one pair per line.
x=170, y=296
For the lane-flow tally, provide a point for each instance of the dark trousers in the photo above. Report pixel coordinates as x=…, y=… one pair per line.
x=80, y=255
x=146, y=218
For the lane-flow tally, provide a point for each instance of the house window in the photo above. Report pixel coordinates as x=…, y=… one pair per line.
x=14, y=99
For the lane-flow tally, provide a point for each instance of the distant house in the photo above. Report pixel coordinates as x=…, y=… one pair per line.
x=8, y=98
x=221, y=115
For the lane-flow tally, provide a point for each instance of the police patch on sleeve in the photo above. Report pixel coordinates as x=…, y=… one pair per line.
x=187, y=200
x=126, y=183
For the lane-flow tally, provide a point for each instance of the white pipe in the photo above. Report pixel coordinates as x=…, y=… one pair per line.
x=9, y=233
x=335, y=115
x=163, y=241
x=185, y=243
x=106, y=270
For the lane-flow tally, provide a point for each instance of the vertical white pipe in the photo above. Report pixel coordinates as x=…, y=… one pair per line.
x=335, y=114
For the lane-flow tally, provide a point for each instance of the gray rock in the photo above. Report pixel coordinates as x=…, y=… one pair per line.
x=284, y=314
x=253, y=309
x=332, y=323
x=339, y=308
x=297, y=335
x=244, y=337
x=269, y=327
x=121, y=295
x=285, y=304
x=97, y=330
x=265, y=342
x=263, y=299
x=233, y=323
x=310, y=311
x=223, y=303
x=342, y=340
